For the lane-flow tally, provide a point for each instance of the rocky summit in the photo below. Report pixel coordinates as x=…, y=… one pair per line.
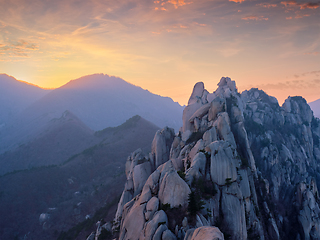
x=240, y=167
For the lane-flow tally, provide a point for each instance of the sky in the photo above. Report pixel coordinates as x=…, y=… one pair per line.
x=165, y=46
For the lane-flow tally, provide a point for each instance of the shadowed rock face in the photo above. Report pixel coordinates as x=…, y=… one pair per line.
x=250, y=167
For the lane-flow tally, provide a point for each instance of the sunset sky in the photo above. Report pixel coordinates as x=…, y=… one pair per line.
x=165, y=46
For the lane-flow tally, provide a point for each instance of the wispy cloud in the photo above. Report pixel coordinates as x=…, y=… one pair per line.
x=294, y=84
x=134, y=39
x=312, y=53
x=267, y=5
x=316, y=73
x=308, y=5
x=237, y=1
x=256, y=18
x=302, y=16
x=20, y=48
x=178, y=3
x=161, y=5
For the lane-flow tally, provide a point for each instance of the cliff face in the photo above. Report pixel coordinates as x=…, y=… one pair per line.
x=241, y=167
x=285, y=145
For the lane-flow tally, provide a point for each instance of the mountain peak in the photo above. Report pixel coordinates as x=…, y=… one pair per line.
x=96, y=81
x=244, y=167
x=68, y=115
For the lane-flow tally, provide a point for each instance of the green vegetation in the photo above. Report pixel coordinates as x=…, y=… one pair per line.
x=209, y=213
x=182, y=174
x=161, y=223
x=204, y=188
x=175, y=215
x=200, y=189
x=228, y=181
x=208, y=155
x=165, y=207
x=195, y=204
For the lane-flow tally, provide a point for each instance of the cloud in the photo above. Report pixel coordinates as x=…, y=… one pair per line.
x=316, y=73
x=302, y=16
x=256, y=18
x=178, y=3
x=200, y=24
x=22, y=44
x=186, y=28
x=267, y=5
x=237, y=1
x=20, y=48
x=294, y=84
x=308, y=5
x=312, y=53
x=175, y=3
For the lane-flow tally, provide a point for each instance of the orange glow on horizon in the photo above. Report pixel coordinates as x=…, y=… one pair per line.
x=165, y=46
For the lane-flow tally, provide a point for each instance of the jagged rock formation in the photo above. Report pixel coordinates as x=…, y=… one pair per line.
x=241, y=167
x=285, y=143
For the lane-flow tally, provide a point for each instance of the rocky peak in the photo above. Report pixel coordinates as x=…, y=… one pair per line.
x=197, y=93
x=241, y=167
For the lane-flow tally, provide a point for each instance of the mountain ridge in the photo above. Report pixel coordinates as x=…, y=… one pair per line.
x=245, y=167
x=43, y=201
x=15, y=95
x=315, y=106
x=109, y=102
x=58, y=140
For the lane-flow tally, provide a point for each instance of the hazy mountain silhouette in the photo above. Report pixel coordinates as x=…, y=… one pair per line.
x=76, y=188
x=16, y=96
x=103, y=101
x=99, y=101
x=315, y=106
x=58, y=140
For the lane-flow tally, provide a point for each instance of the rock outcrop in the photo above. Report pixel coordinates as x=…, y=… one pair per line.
x=241, y=167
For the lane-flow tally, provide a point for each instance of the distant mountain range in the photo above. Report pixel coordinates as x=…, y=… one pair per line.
x=315, y=106
x=59, y=139
x=63, y=151
x=15, y=96
x=75, y=186
x=98, y=100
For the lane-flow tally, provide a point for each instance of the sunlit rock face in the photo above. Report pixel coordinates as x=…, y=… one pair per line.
x=241, y=167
